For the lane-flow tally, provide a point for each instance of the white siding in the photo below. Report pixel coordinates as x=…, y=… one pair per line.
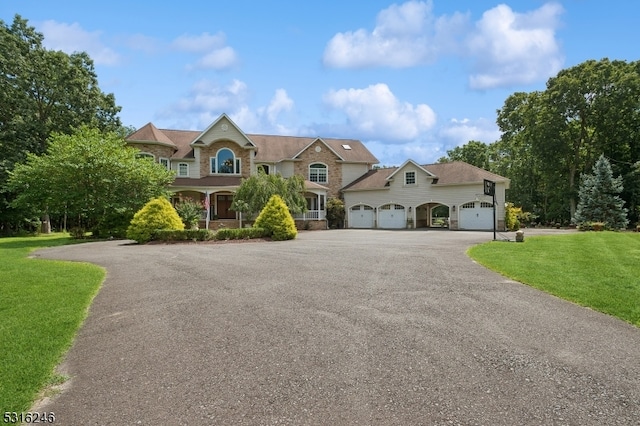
x=425, y=192
x=351, y=172
x=285, y=168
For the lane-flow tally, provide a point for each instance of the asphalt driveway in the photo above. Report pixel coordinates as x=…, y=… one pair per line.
x=337, y=328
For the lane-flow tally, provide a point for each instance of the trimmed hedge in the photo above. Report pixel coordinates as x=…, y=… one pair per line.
x=184, y=235
x=240, y=233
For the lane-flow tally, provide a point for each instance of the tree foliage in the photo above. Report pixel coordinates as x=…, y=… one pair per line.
x=549, y=138
x=43, y=92
x=255, y=192
x=276, y=220
x=88, y=176
x=599, y=198
x=335, y=213
x=473, y=152
x=157, y=215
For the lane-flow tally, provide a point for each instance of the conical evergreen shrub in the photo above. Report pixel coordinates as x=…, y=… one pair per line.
x=276, y=220
x=157, y=214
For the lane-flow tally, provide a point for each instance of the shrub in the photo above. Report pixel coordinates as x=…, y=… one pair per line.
x=189, y=211
x=239, y=233
x=276, y=220
x=156, y=215
x=113, y=225
x=184, y=235
x=335, y=213
x=511, y=217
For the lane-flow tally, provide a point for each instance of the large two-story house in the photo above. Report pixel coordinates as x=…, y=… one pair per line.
x=210, y=165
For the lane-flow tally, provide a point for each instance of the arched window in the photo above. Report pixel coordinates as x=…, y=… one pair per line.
x=183, y=170
x=318, y=173
x=146, y=155
x=225, y=162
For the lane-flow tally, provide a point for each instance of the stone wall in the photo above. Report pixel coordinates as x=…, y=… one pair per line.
x=206, y=152
x=325, y=156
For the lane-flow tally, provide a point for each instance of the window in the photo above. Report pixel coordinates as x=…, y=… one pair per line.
x=183, y=170
x=145, y=155
x=485, y=205
x=409, y=178
x=165, y=162
x=264, y=168
x=225, y=162
x=470, y=205
x=318, y=173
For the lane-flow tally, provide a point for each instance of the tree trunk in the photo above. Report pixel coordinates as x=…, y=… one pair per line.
x=45, y=226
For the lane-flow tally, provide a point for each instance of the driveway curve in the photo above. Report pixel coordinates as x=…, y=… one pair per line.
x=337, y=327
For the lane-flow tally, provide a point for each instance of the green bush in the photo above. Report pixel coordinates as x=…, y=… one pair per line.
x=113, y=225
x=189, y=211
x=184, y=235
x=335, y=213
x=157, y=214
x=239, y=233
x=276, y=220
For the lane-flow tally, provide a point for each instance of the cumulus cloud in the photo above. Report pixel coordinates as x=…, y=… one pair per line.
x=515, y=48
x=505, y=48
x=458, y=132
x=216, y=54
x=376, y=112
x=206, y=100
x=405, y=35
x=71, y=38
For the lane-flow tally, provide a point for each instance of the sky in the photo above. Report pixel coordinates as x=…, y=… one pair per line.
x=409, y=79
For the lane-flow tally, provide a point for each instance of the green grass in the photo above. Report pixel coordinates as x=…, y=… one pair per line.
x=42, y=305
x=600, y=270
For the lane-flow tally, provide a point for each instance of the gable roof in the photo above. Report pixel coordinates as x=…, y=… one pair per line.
x=410, y=162
x=269, y=148
x=453, y=173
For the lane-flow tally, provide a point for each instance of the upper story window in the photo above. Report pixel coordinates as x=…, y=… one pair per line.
x=165, y=162
x=146, y=155
x=183, y=170
x=264, y=168
x=318, y=173
x=409, y=178
x=225, y=162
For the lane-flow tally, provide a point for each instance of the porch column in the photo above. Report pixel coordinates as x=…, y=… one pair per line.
x=207, y=204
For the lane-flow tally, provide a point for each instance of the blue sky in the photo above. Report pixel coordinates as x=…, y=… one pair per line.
x=410, y=79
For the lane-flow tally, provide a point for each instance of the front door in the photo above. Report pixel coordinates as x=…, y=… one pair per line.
x=223, y=203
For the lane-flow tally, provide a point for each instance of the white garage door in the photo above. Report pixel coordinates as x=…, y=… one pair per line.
x=392, y=216
x=361, y=217
x=476, y=215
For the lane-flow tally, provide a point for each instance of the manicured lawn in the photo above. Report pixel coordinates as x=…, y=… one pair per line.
x=42, y=304
x=600, y=270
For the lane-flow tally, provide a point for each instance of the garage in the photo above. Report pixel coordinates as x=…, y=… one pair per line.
x=361, y=216
x=476, y=215
x=392, y=216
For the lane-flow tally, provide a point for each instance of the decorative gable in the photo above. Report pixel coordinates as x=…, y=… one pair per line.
x=223, y=129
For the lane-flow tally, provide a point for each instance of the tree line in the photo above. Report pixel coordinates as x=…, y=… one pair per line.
x=551, y=138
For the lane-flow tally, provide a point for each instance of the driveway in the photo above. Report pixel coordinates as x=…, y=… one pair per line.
x=337, y=328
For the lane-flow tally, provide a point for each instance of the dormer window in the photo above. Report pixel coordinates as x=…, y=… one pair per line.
x=409, y=178
x=225, y=162
x=318, y=173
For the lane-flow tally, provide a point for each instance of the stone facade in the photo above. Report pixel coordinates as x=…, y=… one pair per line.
x=318, y=152
x=206, y=152
x=156, y=150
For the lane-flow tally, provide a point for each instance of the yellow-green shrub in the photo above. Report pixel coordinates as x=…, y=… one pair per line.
x=276, y=220
x=157, y=214
x=511, y=216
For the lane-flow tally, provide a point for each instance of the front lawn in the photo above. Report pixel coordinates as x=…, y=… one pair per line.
x=42, y=305
x=600, y=270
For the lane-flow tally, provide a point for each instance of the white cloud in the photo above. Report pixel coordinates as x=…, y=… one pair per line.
x=405, y=35
x=459, y=132
x=515, y=48
x=206, y=100
x=216, y=54
x=71, y=38
x=375, y=112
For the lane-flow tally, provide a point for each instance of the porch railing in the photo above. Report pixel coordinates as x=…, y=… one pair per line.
x=311, y=215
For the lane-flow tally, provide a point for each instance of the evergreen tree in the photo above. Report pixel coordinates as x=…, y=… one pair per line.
x=599, y=199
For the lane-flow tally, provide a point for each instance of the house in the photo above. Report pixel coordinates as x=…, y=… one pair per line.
x=210, y=165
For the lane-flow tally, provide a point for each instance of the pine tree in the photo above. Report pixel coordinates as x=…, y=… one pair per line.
x=599, y=199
